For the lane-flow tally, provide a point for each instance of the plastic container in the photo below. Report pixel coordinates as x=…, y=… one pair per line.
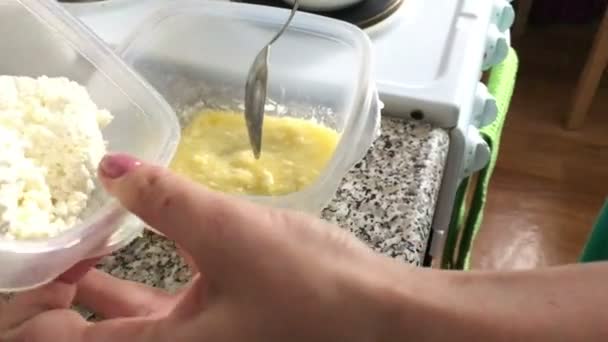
x=197, y=54
x=40, y=38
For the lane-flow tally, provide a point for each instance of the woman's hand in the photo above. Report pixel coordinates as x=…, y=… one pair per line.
x=265, y=275
x=271, y=275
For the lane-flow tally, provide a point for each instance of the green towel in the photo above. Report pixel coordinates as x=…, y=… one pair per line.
x=501, y=84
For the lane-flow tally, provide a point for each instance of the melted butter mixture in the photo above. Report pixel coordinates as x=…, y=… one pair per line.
x=214, y=150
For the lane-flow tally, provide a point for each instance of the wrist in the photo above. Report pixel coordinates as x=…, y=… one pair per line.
x=402, y=304
x=408, y=302
x=393, y=300
x=430, y=305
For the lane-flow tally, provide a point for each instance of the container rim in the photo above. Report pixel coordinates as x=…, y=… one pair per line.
x=90, y=47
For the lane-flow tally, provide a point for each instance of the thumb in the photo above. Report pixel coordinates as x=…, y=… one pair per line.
x=200, y=220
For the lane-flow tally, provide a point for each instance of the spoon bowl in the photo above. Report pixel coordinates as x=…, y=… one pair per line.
x=256, y=89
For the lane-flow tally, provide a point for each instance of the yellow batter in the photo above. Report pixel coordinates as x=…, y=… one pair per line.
x=214, y=150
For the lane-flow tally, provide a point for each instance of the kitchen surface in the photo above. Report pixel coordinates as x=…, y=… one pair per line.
x=386, y=200
x=398, y=197
x=407, y=132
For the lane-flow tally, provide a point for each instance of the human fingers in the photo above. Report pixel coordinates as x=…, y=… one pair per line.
x=56, y=325
x=24, y=306
x=69, y=326
x=111, y=297
x=56, y=295
x=74, y=274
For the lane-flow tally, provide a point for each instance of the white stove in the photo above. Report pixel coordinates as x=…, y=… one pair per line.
x=429, y=60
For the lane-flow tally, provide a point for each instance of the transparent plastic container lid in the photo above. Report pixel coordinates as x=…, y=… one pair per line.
x=40, y=38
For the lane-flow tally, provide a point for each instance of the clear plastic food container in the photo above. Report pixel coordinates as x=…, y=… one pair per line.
x=197, y=55
x=40, y=38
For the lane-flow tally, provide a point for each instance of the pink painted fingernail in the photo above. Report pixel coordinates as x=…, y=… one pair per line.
x=116, y=165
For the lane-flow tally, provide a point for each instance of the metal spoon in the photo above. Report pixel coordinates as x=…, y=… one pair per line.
x=255, y=90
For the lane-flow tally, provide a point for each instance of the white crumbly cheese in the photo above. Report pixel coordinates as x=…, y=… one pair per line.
x=50, y=145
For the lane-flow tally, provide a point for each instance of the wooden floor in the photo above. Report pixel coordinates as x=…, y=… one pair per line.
x=549, y=183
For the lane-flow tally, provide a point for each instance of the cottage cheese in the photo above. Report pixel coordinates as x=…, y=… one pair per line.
x=50, y=145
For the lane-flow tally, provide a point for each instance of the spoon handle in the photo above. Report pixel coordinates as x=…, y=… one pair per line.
x=294, y=9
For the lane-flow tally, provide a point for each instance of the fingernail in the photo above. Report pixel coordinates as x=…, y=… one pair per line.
x=116, y=165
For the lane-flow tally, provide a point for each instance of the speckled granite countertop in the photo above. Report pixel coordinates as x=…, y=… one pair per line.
x=387, y=200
